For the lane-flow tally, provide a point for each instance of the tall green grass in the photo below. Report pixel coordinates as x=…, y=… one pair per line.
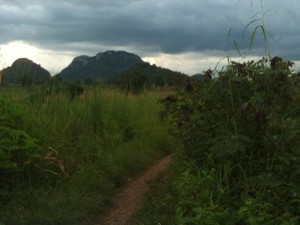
x=89, y=146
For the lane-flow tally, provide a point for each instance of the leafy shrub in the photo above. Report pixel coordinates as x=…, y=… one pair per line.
x=17, y=148
x=240, y=132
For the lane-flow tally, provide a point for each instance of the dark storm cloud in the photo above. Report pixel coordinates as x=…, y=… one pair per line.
x=170, y=26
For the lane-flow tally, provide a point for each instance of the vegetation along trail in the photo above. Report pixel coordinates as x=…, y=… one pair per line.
x=130, y=197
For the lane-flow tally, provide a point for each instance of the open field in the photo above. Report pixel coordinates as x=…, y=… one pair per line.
x=68, y=157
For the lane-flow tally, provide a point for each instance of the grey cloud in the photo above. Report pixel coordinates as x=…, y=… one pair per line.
x=141, y=22
x=170, y=26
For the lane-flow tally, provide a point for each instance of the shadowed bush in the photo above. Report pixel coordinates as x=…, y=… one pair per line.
x=239, y=159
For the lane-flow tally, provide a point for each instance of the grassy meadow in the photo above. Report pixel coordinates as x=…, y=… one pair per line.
x=62, y=160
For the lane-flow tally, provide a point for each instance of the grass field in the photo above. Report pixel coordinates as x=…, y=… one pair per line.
x=84, y=150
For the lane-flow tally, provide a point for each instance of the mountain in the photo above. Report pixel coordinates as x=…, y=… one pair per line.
x=103, y=66
x=24, y=71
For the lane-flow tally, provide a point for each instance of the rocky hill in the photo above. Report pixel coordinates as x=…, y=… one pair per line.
x=103, y=66
x=25, y=71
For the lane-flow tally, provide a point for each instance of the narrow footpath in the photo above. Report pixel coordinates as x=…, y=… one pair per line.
x=131, y=196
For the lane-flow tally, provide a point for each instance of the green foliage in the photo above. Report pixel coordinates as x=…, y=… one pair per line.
x=239, y=134
x=74, y=90
x=144, y=76
x=134, y=83
x=55, y=85
x=89, y=81
x=87, y=148
x=159, y=81
x=27, y=80
x=17, y=148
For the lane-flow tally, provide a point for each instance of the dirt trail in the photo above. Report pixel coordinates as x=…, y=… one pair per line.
x=130, y=197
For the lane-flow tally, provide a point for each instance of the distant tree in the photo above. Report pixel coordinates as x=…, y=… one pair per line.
x=89, y=81
x=189, y=86
x=295, y=79
x=208, y=74
x=176, y=80
x=1, y=79
x=74, y=90
x=134, y=83
x=159, y=82
x=26, y=80
x=55, y=85
x=56, y=79
x=144, y=64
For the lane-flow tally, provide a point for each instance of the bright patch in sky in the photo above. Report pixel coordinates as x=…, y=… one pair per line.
x=17, y=49
x=189, y=63
x=53, y=61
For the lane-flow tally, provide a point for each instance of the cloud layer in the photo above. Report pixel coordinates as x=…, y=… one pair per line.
x=147, y=27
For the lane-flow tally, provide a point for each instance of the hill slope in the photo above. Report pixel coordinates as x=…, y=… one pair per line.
x=103, y=66
x=154, y=74
x=24, y=71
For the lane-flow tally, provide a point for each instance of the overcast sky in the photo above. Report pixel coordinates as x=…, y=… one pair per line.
x=184, y=35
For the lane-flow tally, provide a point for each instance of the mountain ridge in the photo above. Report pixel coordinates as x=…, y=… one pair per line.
x=102, y=66
x=109, y=66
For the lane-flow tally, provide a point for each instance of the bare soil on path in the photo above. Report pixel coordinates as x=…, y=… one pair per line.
x=130, y=197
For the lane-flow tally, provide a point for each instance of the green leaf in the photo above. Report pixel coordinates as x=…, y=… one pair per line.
x=243, y=210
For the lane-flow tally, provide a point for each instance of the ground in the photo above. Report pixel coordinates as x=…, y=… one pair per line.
x=130, y=197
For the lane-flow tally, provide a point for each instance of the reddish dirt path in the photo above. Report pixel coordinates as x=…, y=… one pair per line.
x=130, y=197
